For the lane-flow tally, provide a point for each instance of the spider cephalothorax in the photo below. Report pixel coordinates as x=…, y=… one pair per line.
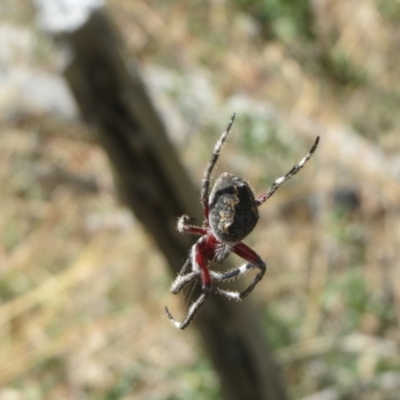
x=231, y=213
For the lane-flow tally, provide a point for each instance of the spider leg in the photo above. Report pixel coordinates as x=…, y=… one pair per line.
x=183, y=226
x=199, y=265
x=274, y=187
x=210, y=166
x=193, y=309
x=183, y=278
x=253, y=261
x=218, y=276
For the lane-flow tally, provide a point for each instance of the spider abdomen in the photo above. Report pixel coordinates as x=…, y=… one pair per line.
x=233, y=209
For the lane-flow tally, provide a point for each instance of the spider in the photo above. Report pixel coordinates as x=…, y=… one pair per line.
x=231, y=213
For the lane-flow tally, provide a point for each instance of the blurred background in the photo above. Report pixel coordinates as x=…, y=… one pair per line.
x=82, y=287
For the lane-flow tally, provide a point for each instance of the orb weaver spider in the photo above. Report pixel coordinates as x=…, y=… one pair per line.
x=231, y=213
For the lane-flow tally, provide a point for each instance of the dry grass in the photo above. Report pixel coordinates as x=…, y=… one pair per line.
x=82, y=288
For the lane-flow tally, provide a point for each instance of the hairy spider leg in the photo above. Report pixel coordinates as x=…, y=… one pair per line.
x=207, y=174
x=274, y=187
x=183, y=226
x=199, y=260
x=253, y=261
x=198, y=255
x=184, y=278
